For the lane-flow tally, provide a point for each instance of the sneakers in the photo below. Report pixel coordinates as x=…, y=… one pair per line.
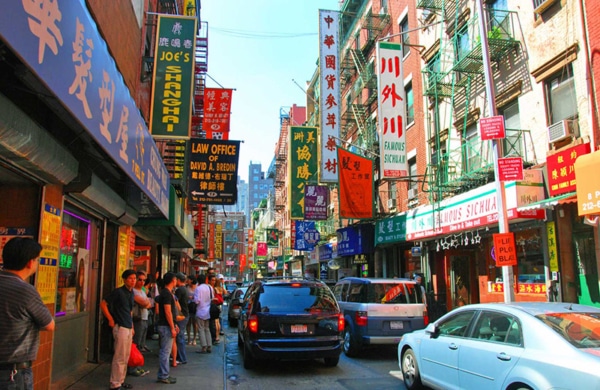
x=139, y=372
x=144, y=372
x=169, y=380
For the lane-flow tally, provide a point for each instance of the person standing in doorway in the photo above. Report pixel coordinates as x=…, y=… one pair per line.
x=167, y=327
x=117, y=308
x=181, y=293
x=23, y=314
x=140, y=321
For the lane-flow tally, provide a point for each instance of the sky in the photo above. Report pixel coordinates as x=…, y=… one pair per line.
x=258, y=47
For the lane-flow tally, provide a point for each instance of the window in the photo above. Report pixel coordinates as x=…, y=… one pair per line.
x=513, y=143
x=456, y=325
x=462, y=45
x=410, y=104
x=384, y=5
x=433, y=67
x=405, y=36
x=498, y=327
x=393, y=190
x=412, y=171
x=560, y=95
x=472, y=147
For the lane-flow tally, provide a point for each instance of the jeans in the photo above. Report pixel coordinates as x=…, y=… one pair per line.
x=22, y=380
x=166, y=344
x=181, y=354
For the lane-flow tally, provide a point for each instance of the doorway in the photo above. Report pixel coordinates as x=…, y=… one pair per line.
x=460, y=280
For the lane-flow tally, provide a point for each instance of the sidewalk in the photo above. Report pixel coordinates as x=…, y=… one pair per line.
x=202, y=371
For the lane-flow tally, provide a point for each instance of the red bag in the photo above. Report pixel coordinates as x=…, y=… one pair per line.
x=136, y=359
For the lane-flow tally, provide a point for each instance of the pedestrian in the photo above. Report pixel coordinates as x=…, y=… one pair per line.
x=167, y=327
x=117, y=308
x=141, y=305
x=419, y=282
x=181, y=294
x=218, y=300
x=202, y=297
x=219, y=293
x=192, y=325
x=23, y=314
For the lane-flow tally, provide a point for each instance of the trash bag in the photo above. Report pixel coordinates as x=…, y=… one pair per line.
x=136, y=359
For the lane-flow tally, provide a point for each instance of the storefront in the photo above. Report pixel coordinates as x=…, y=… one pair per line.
x=394, y=257
x=355, y=250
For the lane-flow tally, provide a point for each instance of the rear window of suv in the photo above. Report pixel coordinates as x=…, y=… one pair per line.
x=296, y=298
x=384, y=293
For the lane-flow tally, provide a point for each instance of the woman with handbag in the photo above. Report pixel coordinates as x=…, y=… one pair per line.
x=219, y=294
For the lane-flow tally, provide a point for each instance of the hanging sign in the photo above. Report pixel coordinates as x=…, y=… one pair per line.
x=492, y=128
x=504, y=247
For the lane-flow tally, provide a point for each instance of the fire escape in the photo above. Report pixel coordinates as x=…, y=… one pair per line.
x=358, y=78
x=281, y=160
x=453, y=79
x=200, y=69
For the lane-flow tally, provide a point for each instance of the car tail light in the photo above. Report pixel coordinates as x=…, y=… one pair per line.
x=341, y=322
x=253, y=324
x=361, y=318
x=425, y=318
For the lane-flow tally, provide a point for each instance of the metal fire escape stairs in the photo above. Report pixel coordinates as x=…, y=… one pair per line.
x=281, y=159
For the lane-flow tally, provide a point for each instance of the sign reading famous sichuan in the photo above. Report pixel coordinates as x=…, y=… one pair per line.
x=213, y=171
x=391, y=105
x=330, y=94
x=171, y=111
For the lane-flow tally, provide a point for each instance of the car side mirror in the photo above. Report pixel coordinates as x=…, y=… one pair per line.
x=432, y=330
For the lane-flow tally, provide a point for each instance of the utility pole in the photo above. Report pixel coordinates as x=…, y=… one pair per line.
x=507, y=273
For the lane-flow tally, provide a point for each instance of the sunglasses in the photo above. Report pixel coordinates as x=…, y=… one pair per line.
x=141, y=280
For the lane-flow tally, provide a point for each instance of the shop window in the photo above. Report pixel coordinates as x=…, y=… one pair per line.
x=74, y=265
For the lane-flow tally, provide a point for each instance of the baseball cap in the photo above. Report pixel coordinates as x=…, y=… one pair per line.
x=220, y=276
x=181, y=276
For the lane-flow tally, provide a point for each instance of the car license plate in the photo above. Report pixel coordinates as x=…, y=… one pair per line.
x=299, y=329
x=396, y=325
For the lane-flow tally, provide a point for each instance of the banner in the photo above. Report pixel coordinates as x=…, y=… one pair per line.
x=261, y=249
x=272, y=238
x=171, y=100
x=250, y=252
x=213, y=171
x=316, y=200
x=329, y=69
x=217, y=110
x=303, y=166
x=391, y=99
x=356, y=185
x=306, y=236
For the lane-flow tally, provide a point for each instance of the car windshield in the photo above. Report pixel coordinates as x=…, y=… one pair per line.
x=296, y=298
x=393, y=293
x=580, y=329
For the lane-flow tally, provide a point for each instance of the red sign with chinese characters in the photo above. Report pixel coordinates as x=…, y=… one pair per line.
x=492, y=127
x=217, y=109
x=510, y=168
x=561, y=169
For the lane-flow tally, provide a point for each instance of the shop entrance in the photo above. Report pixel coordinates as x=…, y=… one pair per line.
x=460, y=279
x=585, y=257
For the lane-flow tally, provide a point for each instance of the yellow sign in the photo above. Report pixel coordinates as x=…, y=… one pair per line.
x=552, y=250
x=45, y=282
x=46, y=279
x=123, y=253
x=588, y=183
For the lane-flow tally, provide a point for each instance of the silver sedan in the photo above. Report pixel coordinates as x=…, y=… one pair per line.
x=524, y=345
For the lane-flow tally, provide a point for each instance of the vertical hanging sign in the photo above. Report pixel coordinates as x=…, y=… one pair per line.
x=330, y=94
x=171, y=111
x=391, y=105
x=303, y=166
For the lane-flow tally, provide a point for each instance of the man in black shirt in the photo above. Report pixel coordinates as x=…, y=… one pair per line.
x=167, y=327
x=23, y=314
x=117, y=307
x=181, y=293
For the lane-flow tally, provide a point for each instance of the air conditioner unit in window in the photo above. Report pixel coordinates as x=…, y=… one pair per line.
x=563, y=129
x=391, y=203
x=412, y=193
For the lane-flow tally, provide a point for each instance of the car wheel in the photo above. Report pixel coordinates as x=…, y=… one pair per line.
x=331, y=361
x=249, y=362
x=410, y=371
x=350, y=345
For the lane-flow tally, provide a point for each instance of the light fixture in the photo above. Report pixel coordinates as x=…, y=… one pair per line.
x=333, y=265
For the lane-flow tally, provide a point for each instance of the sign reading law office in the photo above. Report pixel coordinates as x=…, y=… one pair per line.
x=171, y=111
x=476, y=208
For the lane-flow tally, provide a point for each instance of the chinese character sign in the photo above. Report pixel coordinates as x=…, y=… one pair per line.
x=356, y=185
x=171, y=102
x=60, y=43
x=561, y=169
x=303, y=166
x=391, y=99
x=217, y=109
x=272, y=238
x=330, y=94
x=316, y=200
x=250, y=246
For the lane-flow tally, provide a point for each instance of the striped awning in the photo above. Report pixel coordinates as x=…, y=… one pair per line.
x=570, y=197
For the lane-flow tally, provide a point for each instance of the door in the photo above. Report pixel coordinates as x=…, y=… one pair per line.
x=460, y=280
x=585, y=257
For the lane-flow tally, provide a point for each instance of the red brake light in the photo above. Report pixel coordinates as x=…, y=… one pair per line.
x=361, y=318
x=253, y=324
x=341, y=323
x=425, y=318
x=296, y=285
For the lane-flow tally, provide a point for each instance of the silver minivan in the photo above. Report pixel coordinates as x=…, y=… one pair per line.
x=379, y=311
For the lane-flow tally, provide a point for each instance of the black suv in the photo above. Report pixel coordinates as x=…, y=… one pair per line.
x=290, y=319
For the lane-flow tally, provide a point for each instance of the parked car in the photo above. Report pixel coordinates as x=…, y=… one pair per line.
x=533, y=345
x=235, y=304
x=230, y=289
x=290, y=319
x=378, y=311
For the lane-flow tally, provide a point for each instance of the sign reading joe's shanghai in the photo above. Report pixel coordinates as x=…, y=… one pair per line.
x=171, y=109
x=213, y=171
x=62, y=46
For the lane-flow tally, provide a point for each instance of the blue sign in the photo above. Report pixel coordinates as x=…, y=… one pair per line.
x=355, y=240
x=61, y=44
x=325, y=252
x=306, y=236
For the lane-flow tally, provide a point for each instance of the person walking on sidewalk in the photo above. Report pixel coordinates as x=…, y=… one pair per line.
x=192, y=325
x=117, y=308
x=181, y=293
x=141, y=304
x=202, y=297
x=167, y=328
x=23, y=314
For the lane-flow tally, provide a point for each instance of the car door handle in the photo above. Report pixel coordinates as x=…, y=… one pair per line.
x=503, y=356
x=453, y=346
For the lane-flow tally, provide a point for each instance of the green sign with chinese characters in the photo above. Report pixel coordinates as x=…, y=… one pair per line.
x=303, y=166
x=171, y=107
